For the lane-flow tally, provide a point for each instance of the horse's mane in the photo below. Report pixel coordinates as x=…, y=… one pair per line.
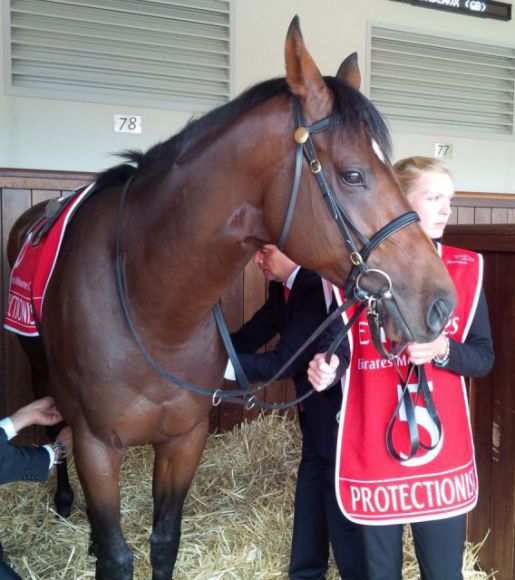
x=349, y=103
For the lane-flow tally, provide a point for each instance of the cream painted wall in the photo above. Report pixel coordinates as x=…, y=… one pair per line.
x=58, y=134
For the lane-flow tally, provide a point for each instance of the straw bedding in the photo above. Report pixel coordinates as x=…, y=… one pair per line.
x=236, y=525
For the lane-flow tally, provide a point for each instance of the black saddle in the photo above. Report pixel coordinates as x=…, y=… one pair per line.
x=53, y=210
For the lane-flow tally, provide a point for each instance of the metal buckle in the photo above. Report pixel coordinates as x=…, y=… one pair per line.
x=217, y=397
x=315, y=166
x=356, y=258
x=372, y=307
x=250, y=403
x=387, y=293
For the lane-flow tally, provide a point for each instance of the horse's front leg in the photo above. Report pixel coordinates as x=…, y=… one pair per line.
x=174, y=467
x=98, y=468
x=64, y=495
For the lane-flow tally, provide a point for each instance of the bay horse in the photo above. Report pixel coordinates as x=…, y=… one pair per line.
x=198, y=207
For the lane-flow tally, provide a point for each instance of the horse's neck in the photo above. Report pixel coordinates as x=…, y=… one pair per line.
x=204, y=222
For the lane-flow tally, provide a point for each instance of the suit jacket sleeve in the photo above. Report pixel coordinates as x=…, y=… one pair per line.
x=295, y=322
x=475, y=356
x=326, y=339
x=22, y=463
x=263, y=326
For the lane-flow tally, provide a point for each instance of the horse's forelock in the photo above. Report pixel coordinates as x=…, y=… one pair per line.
x=355, y=109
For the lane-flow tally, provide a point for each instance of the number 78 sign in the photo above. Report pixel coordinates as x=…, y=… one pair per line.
x=127, y=123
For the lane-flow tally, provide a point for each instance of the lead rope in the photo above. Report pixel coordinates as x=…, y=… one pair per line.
x=240, y=373
x=305, y=147
x=243, y=396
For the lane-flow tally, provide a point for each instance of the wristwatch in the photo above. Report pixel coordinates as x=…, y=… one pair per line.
x=60, y=450
x=441, y=360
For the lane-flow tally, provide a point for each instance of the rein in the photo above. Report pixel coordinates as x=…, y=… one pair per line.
x=246, y=395
x=304, y=148
x=406, y=403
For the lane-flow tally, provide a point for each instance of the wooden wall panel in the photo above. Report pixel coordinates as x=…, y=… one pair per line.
x=501, y=459
x=500, y=215
x=483, y=215
x=454, y=217
x=493, y=400
x=465, y=215
x=483, y=208
x=482, y=417
x=19, y=190
x=39, y=195
x=16, y=377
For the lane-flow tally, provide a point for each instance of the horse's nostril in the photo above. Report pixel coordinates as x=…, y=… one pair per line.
x=438, y=315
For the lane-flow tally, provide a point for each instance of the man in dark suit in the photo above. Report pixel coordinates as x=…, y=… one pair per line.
x=29, y=463
x=295, y=307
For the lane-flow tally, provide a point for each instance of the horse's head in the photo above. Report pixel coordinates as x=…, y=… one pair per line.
x=347, y=194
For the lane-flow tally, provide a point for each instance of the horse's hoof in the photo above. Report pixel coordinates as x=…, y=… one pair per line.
x=120, y=568
x=93, y=549
x=64, y=510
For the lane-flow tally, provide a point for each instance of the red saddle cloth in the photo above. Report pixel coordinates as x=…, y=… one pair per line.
x=32, y=271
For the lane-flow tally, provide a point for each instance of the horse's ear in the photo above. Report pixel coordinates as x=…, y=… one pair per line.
x=349, y=71
x=303, y=76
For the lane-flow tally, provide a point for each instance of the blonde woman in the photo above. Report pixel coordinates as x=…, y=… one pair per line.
x=397, y=466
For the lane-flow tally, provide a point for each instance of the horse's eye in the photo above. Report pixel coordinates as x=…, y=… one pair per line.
x=353, y=178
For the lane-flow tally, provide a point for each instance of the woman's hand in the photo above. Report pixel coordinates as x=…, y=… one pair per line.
x=424, y=352
x=321, y=374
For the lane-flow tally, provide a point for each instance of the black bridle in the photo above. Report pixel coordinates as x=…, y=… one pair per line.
x=353, y=290
x=306, y=148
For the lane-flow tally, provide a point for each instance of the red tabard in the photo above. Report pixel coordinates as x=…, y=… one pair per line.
x=32, y=271
x=372, y=487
